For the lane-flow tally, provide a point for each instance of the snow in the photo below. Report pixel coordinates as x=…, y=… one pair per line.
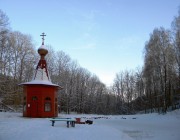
x=40, y=78
x=41, y=74
x=43, y=47
x=39, y=82
x=112, y=127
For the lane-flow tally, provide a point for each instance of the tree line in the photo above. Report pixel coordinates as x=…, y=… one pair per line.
x=155, y=86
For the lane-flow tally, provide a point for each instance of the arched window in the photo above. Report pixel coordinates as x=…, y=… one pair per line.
x=47, y=107
x=48, y=99
x=47, y=104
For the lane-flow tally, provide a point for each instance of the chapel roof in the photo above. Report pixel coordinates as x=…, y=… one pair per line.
x=41, y=76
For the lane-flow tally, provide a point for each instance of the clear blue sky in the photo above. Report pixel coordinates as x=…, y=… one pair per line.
x=104, y=36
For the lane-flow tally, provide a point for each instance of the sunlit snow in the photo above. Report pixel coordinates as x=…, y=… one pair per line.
x=127, y=127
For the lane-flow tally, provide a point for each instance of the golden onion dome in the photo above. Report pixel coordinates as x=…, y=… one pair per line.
x=42, y=50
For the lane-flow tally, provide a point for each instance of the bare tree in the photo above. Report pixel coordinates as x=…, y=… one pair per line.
x=4, y=22
x=159, y=61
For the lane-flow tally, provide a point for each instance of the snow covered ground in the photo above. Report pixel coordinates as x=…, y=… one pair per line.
x=127, y=127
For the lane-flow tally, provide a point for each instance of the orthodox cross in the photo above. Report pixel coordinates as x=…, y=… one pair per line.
x=43, y=35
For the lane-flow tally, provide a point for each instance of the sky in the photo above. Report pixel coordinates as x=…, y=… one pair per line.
x=103, y=36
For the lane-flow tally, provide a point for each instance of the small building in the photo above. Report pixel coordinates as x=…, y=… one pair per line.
x=40, y=94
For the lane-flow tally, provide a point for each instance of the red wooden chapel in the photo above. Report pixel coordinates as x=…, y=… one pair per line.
x=40, y=94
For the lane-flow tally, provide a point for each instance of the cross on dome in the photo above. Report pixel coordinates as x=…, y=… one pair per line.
x=41, y=69
x=42, y=50
x=43, y=35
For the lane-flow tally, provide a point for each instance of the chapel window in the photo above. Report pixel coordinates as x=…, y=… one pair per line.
x=47, y=107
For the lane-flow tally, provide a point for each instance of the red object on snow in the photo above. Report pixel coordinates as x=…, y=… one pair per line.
x=40, y=94
x=78, y=120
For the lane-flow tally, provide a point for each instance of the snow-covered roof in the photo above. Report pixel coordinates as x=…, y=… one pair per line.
x=41, y=76
x=39, y=82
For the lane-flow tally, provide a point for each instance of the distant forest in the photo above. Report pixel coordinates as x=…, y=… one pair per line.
x=153, y=87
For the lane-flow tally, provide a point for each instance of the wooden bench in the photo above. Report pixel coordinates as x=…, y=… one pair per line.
x=69, y=121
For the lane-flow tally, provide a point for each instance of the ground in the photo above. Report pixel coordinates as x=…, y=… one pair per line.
x=127, y=127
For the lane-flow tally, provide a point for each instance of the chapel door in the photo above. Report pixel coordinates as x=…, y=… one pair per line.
x=34, y=107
